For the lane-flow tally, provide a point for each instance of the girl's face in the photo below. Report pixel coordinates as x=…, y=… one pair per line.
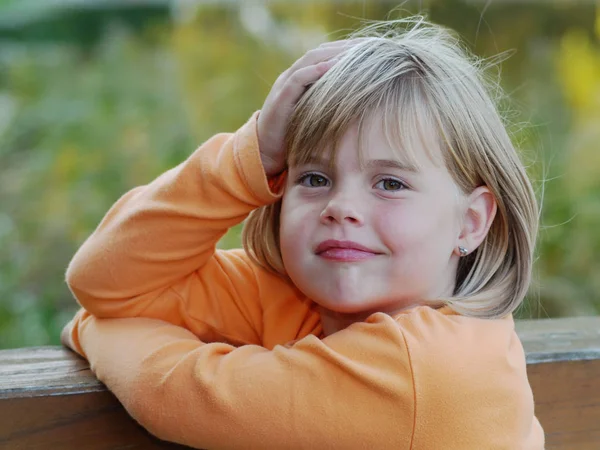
x=376, y=236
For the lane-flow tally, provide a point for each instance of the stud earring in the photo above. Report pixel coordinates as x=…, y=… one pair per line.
x=463, y=251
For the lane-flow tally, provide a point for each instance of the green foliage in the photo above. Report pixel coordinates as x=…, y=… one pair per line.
x=81, y=125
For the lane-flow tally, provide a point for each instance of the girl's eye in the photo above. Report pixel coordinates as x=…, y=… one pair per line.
x=313, y=180
x=390, y=184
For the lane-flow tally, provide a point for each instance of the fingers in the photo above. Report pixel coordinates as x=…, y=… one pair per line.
x=320, y=54
x=296, y=83
x=311, y=58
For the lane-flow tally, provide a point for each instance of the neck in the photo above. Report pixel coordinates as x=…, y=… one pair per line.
x=333, y=321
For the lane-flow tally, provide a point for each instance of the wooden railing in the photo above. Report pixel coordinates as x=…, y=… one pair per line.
x=50, y=400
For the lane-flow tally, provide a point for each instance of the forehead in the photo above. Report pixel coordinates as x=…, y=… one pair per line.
x=406, y=138
x=400, y=119
x=380, y=140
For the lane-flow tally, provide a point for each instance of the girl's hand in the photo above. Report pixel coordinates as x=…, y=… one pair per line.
x=284, y=95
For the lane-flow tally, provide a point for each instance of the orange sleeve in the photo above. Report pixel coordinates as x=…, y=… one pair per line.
x=352, y=389
x=153, y=255
x=422, y=381
x=471, y=387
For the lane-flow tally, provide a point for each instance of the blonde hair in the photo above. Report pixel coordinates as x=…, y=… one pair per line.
x=419, y=77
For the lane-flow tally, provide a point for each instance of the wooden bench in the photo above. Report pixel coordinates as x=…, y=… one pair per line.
x=49, y=399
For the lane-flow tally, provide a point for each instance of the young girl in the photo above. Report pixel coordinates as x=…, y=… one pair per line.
x=390, y=236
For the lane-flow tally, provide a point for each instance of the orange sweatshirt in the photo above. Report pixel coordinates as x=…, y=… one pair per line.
x=204, y=348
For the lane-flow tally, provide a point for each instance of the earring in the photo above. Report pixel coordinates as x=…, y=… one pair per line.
x=463, y=251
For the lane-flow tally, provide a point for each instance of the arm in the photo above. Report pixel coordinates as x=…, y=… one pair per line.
x=421, y=380
x=350, y=390
x=153, y=254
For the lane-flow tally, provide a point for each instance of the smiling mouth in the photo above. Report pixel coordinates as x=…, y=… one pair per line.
x=344, y=251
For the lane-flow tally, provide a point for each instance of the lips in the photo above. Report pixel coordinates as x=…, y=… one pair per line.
x=344, y=251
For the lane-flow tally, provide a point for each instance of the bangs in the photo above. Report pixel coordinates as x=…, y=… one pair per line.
x=367, y=88
x=405, y=120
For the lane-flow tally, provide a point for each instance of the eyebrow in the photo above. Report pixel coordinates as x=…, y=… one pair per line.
x=371, y=164
x=392, y=164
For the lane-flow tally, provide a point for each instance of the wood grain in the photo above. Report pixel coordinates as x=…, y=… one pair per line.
x=568, y=339
x=563, y=365
x=49, y=399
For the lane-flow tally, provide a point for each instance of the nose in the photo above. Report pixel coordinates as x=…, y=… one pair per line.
x=342, y=209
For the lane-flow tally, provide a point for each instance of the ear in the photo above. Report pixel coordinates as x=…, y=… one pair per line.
x=479, y=214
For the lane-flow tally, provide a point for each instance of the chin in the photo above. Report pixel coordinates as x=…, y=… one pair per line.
x=338, y=294
x=347, y=303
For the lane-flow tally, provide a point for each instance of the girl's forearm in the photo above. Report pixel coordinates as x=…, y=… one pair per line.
x=159, y=233
x=314, y=394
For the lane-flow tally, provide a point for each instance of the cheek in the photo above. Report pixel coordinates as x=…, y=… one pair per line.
x=417, y=227
x=296, y=221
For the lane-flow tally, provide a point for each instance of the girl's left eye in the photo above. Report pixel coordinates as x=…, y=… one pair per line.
x=313, y=180
x=390, y=184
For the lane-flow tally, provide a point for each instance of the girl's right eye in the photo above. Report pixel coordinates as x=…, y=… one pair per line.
x=313, y=180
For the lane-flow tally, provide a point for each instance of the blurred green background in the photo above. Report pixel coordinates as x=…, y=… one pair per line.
x=99, y=96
